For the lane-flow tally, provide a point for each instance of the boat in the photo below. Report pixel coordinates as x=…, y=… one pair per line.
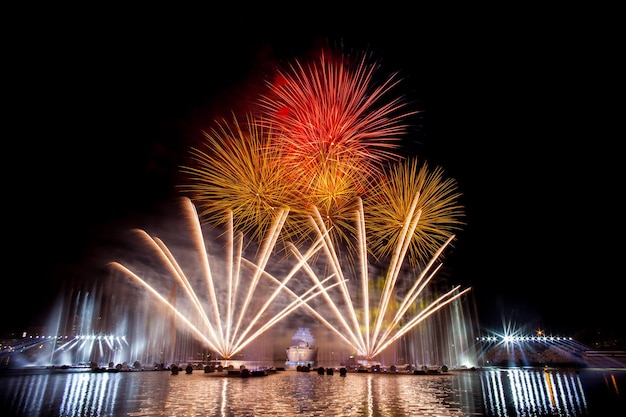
x=302, y=347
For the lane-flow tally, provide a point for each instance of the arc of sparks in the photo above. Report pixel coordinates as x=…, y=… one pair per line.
x=366, y=337
x=224, y=332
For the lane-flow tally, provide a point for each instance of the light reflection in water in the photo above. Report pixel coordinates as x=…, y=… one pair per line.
x=533, y=392
x=224, y=401
x=77, y=393
x=491, y=392
x=370, y=401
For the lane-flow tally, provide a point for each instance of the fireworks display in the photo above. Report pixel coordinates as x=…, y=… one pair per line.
x=317, y=164
x=324, y=135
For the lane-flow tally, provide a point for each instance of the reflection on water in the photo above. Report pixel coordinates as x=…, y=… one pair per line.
x=491, y=392
x=533, y=392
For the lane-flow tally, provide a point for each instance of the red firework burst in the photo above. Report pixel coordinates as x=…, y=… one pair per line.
x=333, y=110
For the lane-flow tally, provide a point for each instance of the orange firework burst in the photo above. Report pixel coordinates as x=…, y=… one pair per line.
x=239, y=170
x=437, y=210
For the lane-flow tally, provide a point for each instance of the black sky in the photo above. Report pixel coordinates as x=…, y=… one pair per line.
x=519, y=109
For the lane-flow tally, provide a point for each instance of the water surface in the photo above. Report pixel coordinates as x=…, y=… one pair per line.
x=487, y=392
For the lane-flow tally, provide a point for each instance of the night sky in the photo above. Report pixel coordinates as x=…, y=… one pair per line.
x=100, y=112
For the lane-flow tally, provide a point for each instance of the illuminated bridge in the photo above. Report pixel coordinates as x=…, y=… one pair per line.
x=541, y=350
x=36, y=349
